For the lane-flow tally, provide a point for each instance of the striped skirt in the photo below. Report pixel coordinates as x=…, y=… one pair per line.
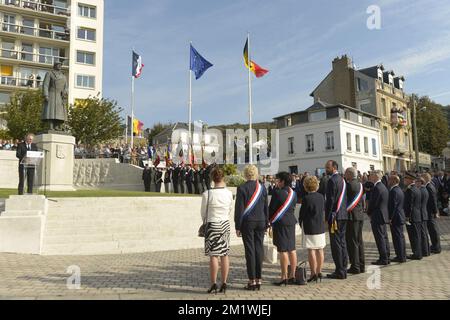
x=217, y=240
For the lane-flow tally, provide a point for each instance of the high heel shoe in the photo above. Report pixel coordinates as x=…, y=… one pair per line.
x=213, y=289
x=258, y=286
x=224, y=288
x=320, y=277
x=292, y=281
x=250, y=287
x=284, y=282
x=313, y=278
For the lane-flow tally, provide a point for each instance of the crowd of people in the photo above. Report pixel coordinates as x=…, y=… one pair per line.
x=336, y=203
x=123, y=152
x=178, y=178
x=9, y=145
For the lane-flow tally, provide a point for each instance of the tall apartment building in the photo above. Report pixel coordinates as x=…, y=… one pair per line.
x=34, y=34
x=379, y=92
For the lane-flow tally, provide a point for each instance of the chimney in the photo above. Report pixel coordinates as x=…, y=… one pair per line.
x=343, y=62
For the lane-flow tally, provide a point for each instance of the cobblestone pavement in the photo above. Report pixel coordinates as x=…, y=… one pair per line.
x=184, y=275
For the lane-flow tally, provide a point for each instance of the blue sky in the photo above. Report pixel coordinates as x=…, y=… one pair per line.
x=295, y=40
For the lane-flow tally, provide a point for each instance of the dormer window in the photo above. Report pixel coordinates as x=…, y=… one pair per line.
x=288, y=122
x=380, y=74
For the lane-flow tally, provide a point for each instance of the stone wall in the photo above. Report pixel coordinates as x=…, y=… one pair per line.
x=9, y=176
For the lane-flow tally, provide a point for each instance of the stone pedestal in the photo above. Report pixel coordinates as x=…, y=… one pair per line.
x=56, y=171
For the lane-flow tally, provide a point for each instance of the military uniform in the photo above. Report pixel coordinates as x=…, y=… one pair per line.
x=413, y=214
x=147, y=178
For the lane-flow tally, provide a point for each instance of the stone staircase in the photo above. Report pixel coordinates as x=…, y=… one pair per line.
x=121, y=225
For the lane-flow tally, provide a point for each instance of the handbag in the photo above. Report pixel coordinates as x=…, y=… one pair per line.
x=202, y=229
x=270, y=252
x=300, y=274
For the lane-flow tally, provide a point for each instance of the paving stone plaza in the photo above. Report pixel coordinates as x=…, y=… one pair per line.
x=183, y=275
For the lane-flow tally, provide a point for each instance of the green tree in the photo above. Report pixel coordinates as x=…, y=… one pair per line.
x=95, y=121
x=230, y=169
x=23, y=114
x=432, y=126
x=157, y=129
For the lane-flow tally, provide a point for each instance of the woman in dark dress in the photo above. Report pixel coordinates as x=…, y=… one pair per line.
x=282, y=219
x=312, y=221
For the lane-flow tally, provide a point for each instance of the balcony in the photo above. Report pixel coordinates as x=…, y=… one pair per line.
x=42, y=6
x=32, y=57
x=36, y=32
x=398, y=119
x=17, y=82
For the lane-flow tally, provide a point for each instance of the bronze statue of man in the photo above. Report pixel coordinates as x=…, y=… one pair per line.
x=55, y=94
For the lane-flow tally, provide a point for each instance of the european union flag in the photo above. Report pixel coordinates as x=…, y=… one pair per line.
x=198, y=64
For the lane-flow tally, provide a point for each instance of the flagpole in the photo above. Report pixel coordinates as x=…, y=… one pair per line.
x=190, y=108
x=132, y=112
x=250, y=109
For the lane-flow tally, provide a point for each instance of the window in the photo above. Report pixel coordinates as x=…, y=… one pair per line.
x=288, y=122
x=87, y=11
x=86, y=57
x=317, y=116
x=9, y=23
x=329, y=136
x=385, y=136
x=384, y=107
x=28, y=26
x=363, y=85
x=27, y=52
x=86, y=34
x=51, y=55
x=291, y=146
x=347, y=115
x=349, y=141
x=366, y=145
x=84, y=81
x=374, y=147
x=358, y=143
x=8, y=50
x=310, y=143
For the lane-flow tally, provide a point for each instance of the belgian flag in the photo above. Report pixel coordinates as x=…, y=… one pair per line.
x=256, y=69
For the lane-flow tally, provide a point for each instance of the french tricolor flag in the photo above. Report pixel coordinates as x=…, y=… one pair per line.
x=137, y=65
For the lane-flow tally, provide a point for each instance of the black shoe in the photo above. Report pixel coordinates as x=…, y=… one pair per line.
x=320, y=276
x=250, y=287
x=398, y=260
x=282, y=283
x=380, y=263
x=292, y=281
x=313, y=278
x=353, y=271
x=336, y=276
x=258, y=286
x=223, y=288
x=436, y=251
x=413, y=257
x=213, y=289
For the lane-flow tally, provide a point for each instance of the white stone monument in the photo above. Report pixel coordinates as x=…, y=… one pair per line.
x=56, y=171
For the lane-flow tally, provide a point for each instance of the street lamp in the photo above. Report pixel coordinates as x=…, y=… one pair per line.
x=416, y=135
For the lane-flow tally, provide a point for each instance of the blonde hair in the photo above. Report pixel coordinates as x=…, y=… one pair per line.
x=251, y=173
x=311, y=184
x=426, y=177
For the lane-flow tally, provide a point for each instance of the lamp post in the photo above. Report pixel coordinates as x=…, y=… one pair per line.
x=416, y=135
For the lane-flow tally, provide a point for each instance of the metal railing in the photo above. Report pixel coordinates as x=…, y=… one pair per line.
x=38, y=5
x=36, y=32
x=20, y=82
x=32, y=57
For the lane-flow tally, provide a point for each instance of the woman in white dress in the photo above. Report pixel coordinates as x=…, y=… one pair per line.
x=217, y=205
x=312, y=221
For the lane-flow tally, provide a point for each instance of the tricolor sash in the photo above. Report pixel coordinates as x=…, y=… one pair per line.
x=284, y=208
x=253, y=200
x=333, y=217
x=357, y=199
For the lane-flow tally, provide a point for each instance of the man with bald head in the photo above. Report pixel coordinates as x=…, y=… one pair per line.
x=21, y=153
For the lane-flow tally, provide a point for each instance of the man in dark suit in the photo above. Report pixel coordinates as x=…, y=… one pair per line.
x=424, y=196
x=182, y=179
x=354, y=235
x=413, y=204
x=21, y=153
x=433, y=214
x=379, y=217
x=189, y=179
x=337, y=216
x=397, y=218
x=147, y=177
x=158, y=179
x=168, y=179
x=176, y=179
x=197, y=186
